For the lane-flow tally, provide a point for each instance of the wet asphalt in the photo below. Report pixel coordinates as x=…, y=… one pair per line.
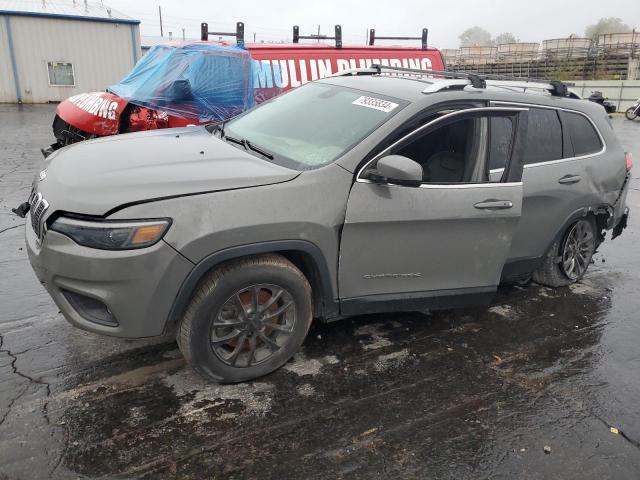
x=474, y=393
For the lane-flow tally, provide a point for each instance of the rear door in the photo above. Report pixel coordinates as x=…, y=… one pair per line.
x=441, y=242
x=556, y=178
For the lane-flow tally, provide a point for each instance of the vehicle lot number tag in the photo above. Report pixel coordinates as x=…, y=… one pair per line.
x=375, y=103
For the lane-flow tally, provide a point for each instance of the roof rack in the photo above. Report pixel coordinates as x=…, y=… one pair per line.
x=423, y=38
x=337, y=36
x=442, y=80
x=239, y=33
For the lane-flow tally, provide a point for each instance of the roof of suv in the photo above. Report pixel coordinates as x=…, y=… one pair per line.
x=411, y=89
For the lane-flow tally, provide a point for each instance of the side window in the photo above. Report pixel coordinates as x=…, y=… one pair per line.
x=457, y=152
x=584, y=138
x=500, y=135
x=544, y=136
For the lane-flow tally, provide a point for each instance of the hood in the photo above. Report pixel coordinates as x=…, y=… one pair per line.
x=97, y=113
x=96, y=176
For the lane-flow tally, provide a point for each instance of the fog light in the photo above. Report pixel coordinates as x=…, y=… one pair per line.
x=90, y=308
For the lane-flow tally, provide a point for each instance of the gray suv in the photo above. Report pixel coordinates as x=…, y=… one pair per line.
x=378, y=190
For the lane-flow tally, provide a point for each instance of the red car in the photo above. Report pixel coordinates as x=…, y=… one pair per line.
x=183, y=83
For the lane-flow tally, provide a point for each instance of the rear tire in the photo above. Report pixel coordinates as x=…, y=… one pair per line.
x=630, y=114
x=246, y=319
x=569, y=256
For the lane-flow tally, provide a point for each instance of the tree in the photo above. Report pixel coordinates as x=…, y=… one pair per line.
x=475, y=36
x=506, y=37
x=606, y=25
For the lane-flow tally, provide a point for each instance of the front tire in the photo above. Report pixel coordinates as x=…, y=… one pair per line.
x=630, y=113
x=569, y=257
x=246, y=319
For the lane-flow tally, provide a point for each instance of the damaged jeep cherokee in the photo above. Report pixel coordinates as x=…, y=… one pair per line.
x=377, y=190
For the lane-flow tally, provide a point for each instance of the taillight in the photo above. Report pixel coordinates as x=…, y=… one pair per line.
x=628, y=160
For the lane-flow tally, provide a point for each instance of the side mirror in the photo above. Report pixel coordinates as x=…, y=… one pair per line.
x=400, y=170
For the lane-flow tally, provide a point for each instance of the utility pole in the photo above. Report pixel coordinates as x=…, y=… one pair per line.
x=160, y=13
x=318, y=41
x=183, y=36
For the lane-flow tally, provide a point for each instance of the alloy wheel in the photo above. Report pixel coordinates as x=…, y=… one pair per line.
x=253, y=325
x=577, y=250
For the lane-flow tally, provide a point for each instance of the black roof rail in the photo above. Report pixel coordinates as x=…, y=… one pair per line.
x=477, y=80
x=337, y=36
x=423, y=38
x=239, y=33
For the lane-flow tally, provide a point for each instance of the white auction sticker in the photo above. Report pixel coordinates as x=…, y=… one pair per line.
x=376, y=103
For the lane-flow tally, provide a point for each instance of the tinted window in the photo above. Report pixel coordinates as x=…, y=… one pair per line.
x=584, y=137
x=500, y=132
x=458, y=152
x=544, y=136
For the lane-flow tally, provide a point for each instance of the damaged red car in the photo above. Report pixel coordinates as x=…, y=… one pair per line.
x=201, y=82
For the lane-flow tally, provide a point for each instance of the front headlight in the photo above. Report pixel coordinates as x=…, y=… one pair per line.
x=112, y=235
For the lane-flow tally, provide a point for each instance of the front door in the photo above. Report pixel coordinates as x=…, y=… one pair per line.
x=411, y=247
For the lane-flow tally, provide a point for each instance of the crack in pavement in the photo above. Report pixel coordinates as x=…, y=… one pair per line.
x=11, y=228
x=45, y=406
x=31, y=380
x=632, y=441
x=11, y=403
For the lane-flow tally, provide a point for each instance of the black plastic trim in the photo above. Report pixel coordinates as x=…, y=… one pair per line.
x=418, y=301
x=520, y=266
x=330, y=307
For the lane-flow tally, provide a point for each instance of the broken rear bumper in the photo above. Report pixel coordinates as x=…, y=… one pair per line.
x=621, y=225
x=618, y=220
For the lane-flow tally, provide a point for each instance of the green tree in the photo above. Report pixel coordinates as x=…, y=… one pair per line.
x=606, y=25
x=475, y=36
x=506, y=37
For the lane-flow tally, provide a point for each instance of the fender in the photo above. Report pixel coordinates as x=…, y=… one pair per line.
x=520, y=266
x=329, y=304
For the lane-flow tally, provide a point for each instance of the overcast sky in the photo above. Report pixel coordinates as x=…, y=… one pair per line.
x=272, y=20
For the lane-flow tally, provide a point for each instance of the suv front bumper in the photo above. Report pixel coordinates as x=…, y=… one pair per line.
x=124, y=293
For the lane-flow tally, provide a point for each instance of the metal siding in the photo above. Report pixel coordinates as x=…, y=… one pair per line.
x=100, y=54
x=7, y=83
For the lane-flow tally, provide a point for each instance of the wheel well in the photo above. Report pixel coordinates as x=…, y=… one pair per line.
x=305, y=263
x=306, y=256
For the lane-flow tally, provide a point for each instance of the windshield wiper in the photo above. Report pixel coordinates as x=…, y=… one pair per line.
x=248, y=145
x=258, y=150
x=239, y=141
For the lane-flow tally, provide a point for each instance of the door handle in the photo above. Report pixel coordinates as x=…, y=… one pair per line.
x=569, y=179
x=494, y=204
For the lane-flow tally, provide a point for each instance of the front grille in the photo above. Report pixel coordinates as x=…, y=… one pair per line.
x=66, y=134
x=38, y=208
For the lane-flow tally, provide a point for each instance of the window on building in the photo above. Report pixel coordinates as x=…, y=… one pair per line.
x=61, y=74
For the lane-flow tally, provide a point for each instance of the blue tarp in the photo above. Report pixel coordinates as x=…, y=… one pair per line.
x=208, y=82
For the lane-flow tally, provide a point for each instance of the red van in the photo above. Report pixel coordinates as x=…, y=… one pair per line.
x=235, y=77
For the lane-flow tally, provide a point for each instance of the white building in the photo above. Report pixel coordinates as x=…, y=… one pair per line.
x=52, y=49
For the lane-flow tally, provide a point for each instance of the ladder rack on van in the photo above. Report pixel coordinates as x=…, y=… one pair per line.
x=459, y=80
x=337, y=36
x=239, y=33
x=423, y=38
